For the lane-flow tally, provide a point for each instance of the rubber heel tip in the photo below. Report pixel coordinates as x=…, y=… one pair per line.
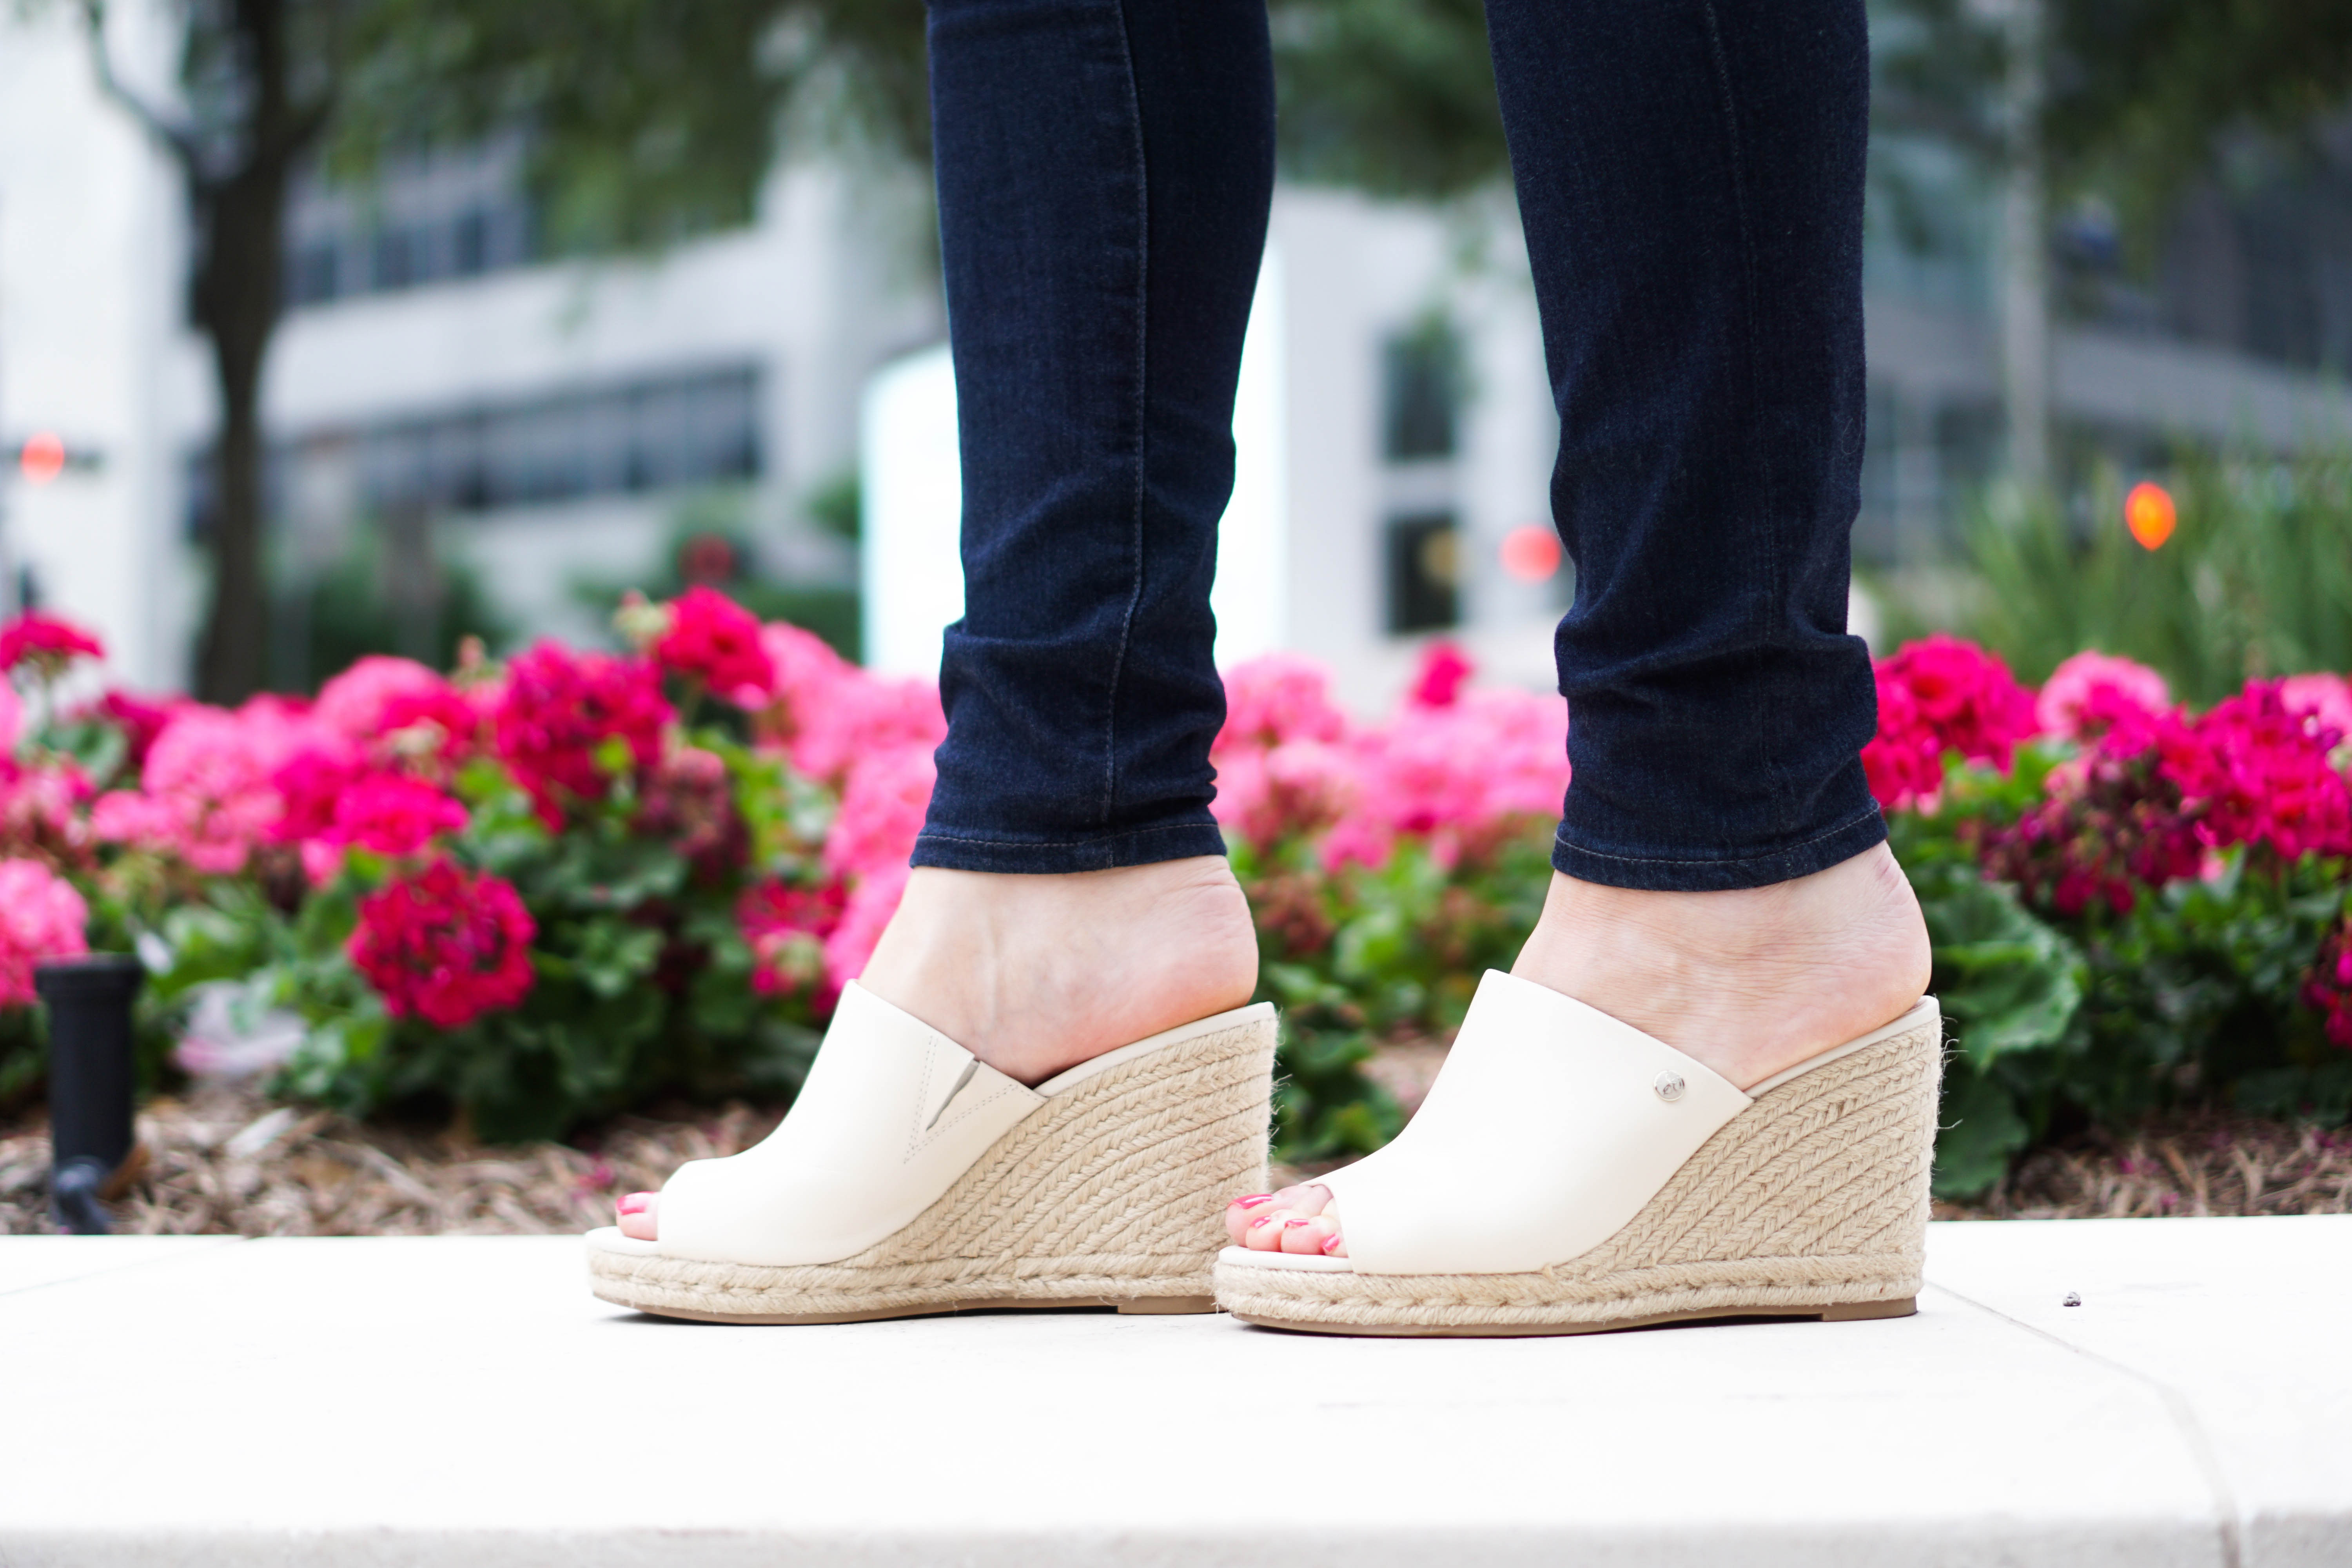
x=1863, y=1311
x=1162, y=1306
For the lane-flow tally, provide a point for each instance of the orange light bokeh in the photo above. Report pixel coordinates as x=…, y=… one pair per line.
x=2149, y=513
x=1531, y=553
x=43, y=458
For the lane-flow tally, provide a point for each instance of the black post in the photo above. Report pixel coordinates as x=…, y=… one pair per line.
x=90, y=1074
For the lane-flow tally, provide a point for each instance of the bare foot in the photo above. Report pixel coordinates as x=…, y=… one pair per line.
x=1750, y=982
x=1036, y=974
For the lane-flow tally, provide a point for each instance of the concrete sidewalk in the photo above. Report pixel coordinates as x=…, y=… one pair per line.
x=461, y=1402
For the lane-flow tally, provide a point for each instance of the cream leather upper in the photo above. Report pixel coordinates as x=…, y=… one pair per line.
x=1545, y=1133
x=887, y=1118
x=892, y=1113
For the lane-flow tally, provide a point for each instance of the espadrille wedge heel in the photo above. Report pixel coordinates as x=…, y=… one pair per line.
x=910, y=1178
x=1637, y=1187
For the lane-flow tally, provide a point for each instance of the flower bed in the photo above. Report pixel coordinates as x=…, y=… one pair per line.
x=543, y=891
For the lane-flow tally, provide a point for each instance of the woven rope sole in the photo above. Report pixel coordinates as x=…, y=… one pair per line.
x=1111, y=1193
x=1811, y=1202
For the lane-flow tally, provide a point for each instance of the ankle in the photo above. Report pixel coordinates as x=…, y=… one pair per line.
x=1750, y=982
x=1034, y=974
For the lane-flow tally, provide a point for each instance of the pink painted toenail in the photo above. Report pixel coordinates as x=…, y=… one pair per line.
x=1262, y=1219
x=1291, y=1222
x=1328, y=1243
x=636, y=1203
x=1252, y=1201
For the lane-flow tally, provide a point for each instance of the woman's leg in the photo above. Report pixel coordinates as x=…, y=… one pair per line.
x=1104, y=173
x=1690, y=177
x=1104, y=168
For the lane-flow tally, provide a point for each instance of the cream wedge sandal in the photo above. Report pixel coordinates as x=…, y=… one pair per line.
x=910, y=1178
x=1639, y=1187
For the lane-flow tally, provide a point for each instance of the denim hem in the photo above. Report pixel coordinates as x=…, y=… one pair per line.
x=1665, y=875
x=1129, y=846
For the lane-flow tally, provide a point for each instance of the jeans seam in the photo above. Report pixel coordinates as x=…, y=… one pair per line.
x=1560, y=837
x=1066, y=843
x=1776, y=566
x=1142, y=406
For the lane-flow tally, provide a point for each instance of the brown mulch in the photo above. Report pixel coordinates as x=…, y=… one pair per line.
x=2197, y=1163
x=225, y=1161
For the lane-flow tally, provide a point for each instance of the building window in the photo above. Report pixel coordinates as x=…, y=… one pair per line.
x=1424, y=572
x=658, y=433
x=1421, y=392
x=423, y=220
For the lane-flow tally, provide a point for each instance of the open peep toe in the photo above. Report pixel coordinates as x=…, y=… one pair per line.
x=911, y=1178
x=1570, y=1174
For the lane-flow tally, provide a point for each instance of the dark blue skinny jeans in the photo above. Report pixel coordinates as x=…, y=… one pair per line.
x=1690, y=177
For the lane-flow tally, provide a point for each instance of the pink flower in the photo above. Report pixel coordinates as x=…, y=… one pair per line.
x=2060, y=709
x=1296, y=789
x=1463, y=777
x=208, y=790
x=689, y=801
x=564, y=714
x=713, y=639
x=446, y=945
x=2324, y=699
x=871, y=904
x=385, y=813
x=881, y=813
x=41, y=917
x=355, y=703
x=1443, y=669
x=1940, y=695
x=861, y=716
x=786, y=928
x=310, y=786
x=41, y=808
x=2256, y=774
x=46, y=642
x=2327, y=984
x=12, y=718
x=1281, y=696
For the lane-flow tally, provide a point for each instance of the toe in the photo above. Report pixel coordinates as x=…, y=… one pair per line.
x=1263, y=1231
x=1241, y=1211
x=1306, y=1235
x=637, y=1217
x=1305, y=1200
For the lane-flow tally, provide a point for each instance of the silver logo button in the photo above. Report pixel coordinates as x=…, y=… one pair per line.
x=1669, y=1087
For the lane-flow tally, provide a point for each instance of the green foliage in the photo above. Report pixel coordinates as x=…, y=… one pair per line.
x=644, y=981
x=1366, y=954
x=714, y=527
x=2257, y=581
x=328, y=624
x=2100, y=1017
x=1392, y=96
x=2143, y=96
x=646, y=121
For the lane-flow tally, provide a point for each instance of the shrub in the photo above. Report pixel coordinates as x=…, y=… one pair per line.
x=542, y=891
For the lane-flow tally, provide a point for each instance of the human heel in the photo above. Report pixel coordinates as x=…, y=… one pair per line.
x=1642, y=1188
x=911, y=1178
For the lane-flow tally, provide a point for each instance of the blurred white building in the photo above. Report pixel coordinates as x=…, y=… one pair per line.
x=545, y=422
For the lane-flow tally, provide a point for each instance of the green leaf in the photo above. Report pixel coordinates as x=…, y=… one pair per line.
x=1981, y=1133
x=2007, y=980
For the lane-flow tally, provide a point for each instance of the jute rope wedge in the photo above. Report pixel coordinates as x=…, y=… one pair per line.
x=1806, y=1199
x=1106, y=1186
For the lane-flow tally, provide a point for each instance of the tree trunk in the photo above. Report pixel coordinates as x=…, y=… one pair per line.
x=238, y=284
x=231, y=655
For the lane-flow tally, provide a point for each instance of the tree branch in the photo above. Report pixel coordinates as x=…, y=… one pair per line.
x=182, y=145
